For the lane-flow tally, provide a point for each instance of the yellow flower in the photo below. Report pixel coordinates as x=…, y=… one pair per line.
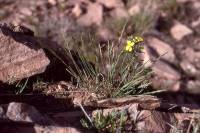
x=128, y=48
x=138, y=39
x=131, y=43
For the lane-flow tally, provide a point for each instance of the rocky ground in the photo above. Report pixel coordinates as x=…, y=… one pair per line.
x=171, y=30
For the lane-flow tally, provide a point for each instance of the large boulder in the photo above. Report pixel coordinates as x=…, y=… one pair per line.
x=20, y=55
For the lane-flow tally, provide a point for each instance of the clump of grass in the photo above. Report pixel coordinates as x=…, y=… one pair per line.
x=186, y=126
x=142, y=21
x=194, y=126
x=39, y=84
x=113, y=73
x=112, y=122
x=20, y=85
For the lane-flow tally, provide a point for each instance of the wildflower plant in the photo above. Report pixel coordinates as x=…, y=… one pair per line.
x=113, y=73
x=131, y=43
x=112, y=122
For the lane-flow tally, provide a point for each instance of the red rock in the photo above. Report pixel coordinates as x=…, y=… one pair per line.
x=165, y=77
x=146, y=56
x=178, y=31
x=184, y=1
x=149, y=121
x=189, y=68
x=26, y=11
x=26, y=113
x=195, y=23
x=94, y=15
x=190, y=61
x=52, y=2
x=118, y=13
x=190, y=54
x=104, y=34
x=193, y=86
x=135, y=9
x=111, y=3
x=20, y=57
x=76, y=11
x=163, y=49
x=30, y=119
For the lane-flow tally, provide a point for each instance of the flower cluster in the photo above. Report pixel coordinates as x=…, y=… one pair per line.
x=131, y=43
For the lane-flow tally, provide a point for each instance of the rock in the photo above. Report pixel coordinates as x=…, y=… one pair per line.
x=196, y=5
x=156, y=125
x=189, y=68
x=146, y=56
x=77, y=11
x=145, y=102
x=163, y=69
x=166, y=77
x=111, y=3
x=162, y=49
x=27, y=128
x=74, y=2
x=195, y=23
x=58, y=25
x=190, y=61
x=184, y=1
x=22, y=112
x=196, y=44
x=7, y=2
x=193, y=86
x=2, y=112
x=3, y=14
x=140, y=112
x=178, y=31
x=94, y=15
x=52, y=2
x=118, y=13
x=26, y=118
x=56, y=129
x=20, y=56
x=135, y=9
x=26, y=11
x=148, y=121
x=104, y=34
x=191, y=55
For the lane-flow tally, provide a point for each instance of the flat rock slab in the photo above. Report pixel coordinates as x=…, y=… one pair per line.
x=20, y=56
x=151, y=119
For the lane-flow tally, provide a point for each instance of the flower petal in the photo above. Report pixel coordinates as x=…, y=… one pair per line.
x=130, y=49
x=130, y=43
